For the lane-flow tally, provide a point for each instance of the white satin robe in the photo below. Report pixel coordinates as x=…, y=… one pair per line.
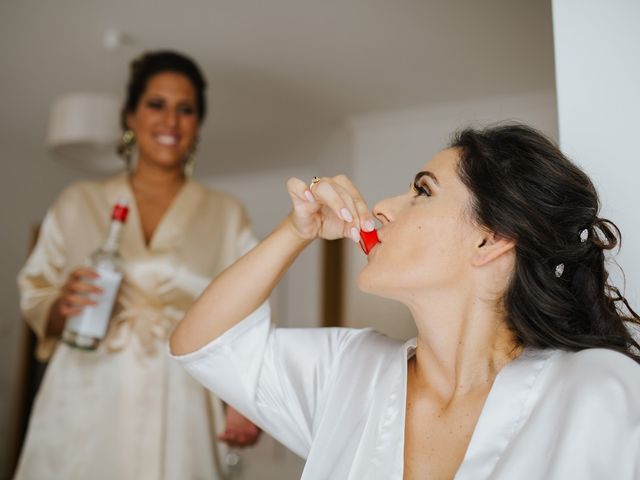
x=337, y=397
x=126, y=411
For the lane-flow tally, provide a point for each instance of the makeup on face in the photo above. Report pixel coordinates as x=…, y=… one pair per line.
x=368, y=240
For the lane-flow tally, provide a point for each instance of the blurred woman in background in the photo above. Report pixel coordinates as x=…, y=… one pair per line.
x=126, y=411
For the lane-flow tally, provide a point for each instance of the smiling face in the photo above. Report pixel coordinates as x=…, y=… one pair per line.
x=427, y=238
x=165, y=121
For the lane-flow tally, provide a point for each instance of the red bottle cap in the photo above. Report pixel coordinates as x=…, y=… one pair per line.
x=120, y=212
x=368, y=240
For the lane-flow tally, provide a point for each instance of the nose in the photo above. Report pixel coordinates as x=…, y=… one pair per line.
x=385, y=210
x=170, y=118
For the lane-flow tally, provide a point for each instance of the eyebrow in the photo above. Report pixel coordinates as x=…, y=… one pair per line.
x=426, y=173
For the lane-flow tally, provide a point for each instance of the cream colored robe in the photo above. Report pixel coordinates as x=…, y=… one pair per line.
x=126, y=411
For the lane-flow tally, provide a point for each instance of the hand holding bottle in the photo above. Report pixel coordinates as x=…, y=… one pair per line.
x=88, y=326
x=73, y=298
x=77, y=292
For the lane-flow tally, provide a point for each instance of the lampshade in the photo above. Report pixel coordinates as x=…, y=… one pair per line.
x=83, y=131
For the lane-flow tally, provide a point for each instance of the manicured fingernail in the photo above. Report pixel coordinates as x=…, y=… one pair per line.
x=355, y=235
x=309, y=196
x=346, y=215
x=369, y=226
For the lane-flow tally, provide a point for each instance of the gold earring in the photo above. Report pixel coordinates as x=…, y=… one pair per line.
x=128, y=136
x=125, y=148
x=190, y=162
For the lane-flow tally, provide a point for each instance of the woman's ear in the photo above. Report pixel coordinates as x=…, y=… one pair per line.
x=129, y=121
x=490, y=247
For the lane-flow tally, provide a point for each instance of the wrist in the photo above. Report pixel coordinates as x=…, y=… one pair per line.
x=292, y=235
x=56, y=320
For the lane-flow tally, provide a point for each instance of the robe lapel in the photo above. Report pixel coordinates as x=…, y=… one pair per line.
x=174, y=223
x=172, y=227
x=508, y=406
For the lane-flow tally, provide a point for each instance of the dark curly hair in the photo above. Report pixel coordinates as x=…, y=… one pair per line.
x=152, y=63
x=524, y=188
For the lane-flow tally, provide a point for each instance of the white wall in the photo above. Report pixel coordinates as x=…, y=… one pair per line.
x=597, y=48
x=390, y=148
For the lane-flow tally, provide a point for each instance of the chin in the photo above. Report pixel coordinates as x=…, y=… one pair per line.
x=168, y=159
x=366, y=282
x=384, y=286
x=167, y=162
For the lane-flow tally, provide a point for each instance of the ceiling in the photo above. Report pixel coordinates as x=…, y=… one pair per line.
x=279, y=71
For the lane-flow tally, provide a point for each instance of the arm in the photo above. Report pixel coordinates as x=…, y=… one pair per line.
x=55, y=321
x=40, y=281
x=72, y=299
x=238, y=291
x=333, y=210
x=47, y=295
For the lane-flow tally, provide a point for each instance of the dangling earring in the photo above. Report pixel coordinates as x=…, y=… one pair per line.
x=190, y=162
x=125, y=148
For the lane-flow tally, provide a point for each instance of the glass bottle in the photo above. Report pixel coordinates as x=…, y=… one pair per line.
x=86, y=329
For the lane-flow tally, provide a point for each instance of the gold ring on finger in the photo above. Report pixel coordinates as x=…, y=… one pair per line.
x=314, y=180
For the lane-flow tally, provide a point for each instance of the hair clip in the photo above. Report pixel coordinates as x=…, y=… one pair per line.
x=584, y=235
x=559, y=270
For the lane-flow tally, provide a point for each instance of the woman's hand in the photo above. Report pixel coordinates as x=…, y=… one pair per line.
x=239, y=431
x=333, y=208
x=76, y=292
x=74, y=297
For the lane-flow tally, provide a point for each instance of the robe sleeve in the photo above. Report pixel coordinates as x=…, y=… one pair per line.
x=276, y=377
x=41, y=279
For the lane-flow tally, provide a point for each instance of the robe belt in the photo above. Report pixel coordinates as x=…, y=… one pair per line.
x=150, y=322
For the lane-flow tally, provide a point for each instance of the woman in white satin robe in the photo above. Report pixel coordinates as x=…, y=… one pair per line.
x=126, y=411
x=337, y=398
x=523, y=367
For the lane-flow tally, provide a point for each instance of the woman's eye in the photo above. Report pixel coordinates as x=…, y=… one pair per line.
x=421, y=189
x=155, y=104
x=187, y=110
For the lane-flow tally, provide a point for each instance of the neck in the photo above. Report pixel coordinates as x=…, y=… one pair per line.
x=148, y=177
x=463, y=343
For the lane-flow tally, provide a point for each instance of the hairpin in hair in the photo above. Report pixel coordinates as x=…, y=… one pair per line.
x=584, y=235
